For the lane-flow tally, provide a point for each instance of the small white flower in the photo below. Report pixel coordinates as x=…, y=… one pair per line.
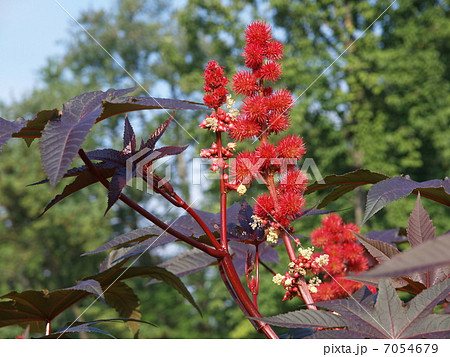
x=322, y=260
x=272, y=235
x=313, y=289
x=278, y=279
x=241, y=190
x=306, y=252
x=232, y=112
x=288, y=282
x=257, y=222
x=211, y=123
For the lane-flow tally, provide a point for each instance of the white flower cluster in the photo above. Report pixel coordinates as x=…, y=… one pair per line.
x=278, y=279
x=293, y=269
x=322, y=260
x=211, y=123
x=306, y=252
x=257, y=222
x=313, y=284
x=272, y=235
x=232, y=112
x=242, y=190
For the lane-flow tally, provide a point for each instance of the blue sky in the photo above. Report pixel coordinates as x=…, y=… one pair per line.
x=30, y=32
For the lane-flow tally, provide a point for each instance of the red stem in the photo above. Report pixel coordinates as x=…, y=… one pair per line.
x=202, y=224
x=242, y=294
x=223, y=195
x=256, y=291
x=213, y=252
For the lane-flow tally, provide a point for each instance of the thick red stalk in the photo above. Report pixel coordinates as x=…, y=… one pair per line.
x=223, y=195
x=242, y=294
x=202, y=224
x=256, y=291
x=304, y=291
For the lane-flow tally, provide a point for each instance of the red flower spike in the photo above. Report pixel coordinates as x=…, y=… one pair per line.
x=215, y=82
x=320, y=236
x=352, y=250
x=268, y=152
x=325, y=292
x=258, y=32
x=291, y=146
x=245, y=83
x=333, y=223
x=359, y=264
x=267, y=91
x=264, y=206
x=243, y=128
x=335, y=265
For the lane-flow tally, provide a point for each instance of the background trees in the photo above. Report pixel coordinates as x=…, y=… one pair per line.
x=382, y=106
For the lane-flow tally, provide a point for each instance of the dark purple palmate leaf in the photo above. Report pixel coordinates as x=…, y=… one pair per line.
x=188, y=262
x=7, y=128
x=91, y=286
x=390, y=190
x=83, y=179
x=151, y=142
x=34, y=126
x=61, y=139
x=433, y=255
x=343, y=184
x=241, y=250
x=72, y=327
x=383, y=315
x=129, y=138
x=118, y=105
x=388, y=236
x=412, y=264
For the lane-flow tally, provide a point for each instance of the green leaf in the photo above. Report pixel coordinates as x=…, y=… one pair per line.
x=123, y=299
x=345, y=183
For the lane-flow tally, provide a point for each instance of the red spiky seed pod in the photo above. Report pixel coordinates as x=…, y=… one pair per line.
x=245, y=83
x=264, y=206
x=291, y=146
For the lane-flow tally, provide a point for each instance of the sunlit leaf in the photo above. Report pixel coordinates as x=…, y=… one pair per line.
x=7, y=128
x=384, y=315
x=390, y=190
x=345, y=183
